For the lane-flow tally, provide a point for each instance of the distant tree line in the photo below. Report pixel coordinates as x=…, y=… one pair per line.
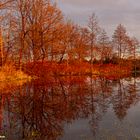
x=36, y=30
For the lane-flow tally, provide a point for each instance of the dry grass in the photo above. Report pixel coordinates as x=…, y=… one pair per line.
x=10, y=78
x=9, y=73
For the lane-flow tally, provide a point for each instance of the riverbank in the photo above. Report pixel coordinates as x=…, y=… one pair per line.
x=44, y=70
x=110, y=71
x=9, y=73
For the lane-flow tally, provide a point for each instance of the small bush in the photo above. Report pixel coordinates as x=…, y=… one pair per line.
x=9, y=73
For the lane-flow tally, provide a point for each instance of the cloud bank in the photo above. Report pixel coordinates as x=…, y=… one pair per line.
x=110, y=13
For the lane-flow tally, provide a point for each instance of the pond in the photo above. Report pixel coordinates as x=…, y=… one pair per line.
x=71, y=108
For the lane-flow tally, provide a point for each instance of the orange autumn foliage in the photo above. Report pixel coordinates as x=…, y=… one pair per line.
x=111, y=71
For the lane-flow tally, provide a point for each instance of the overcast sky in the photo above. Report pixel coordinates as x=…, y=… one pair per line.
x=110, y=13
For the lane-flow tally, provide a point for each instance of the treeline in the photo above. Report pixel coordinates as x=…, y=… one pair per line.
x=36, y=30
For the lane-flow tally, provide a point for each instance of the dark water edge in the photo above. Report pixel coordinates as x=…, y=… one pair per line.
x=72, y=108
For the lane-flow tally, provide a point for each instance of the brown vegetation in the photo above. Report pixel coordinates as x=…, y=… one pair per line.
x=36, y=35
x=9, y=73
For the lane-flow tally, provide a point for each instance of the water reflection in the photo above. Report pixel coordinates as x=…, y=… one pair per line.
x=41, y=109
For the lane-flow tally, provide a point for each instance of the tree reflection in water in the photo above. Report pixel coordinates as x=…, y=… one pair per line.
x=40, y=109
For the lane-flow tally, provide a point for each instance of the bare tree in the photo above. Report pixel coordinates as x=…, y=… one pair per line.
x=104, y=46
x=120, y=39
x=93, y=29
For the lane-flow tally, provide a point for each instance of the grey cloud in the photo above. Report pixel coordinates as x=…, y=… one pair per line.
x=110, y=13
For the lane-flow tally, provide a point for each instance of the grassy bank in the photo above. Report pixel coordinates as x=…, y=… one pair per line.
x=43, y=70
x=111, y=71
x=9, y=73
x=11, y=79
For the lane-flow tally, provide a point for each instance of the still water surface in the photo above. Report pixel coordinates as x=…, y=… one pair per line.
x=71, y=108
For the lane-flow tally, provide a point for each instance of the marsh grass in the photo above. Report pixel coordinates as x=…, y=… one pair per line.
x=9, y=73
x=10, y=78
